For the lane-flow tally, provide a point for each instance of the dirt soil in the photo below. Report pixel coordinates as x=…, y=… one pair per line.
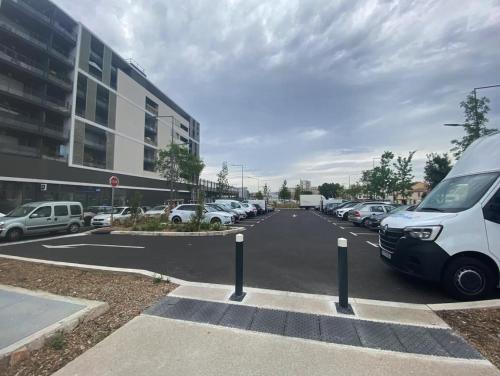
x=127, y=295
x=481, y=327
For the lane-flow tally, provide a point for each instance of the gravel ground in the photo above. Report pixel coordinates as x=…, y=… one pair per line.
x=481, y=327
x=127, y=295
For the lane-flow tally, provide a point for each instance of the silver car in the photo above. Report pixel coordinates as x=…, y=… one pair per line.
x=361, y=212
x=44, y=217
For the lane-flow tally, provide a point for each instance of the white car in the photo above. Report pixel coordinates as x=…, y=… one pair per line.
x=156, y=211
x=184, y=213
x=2, y=215
x=119, y=213
x=250, y=210
x=235, y=205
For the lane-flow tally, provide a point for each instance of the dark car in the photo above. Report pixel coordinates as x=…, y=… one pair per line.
x=260, y=209
x=373, y=222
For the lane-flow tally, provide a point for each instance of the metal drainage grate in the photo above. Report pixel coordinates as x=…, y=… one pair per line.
x=341, y=330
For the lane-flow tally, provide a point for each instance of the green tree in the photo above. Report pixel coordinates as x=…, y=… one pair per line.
x=403, y=176
x=354, y=191
x=284, y=193
x=222, y=181
x=297, y=193
x=135, y=203
x=167, y=165
x=190, y=168
x=259, y=196
x=331, y=190
x=436, y=168
x=475, y=111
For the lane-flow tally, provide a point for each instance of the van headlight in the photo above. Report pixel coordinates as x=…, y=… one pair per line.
x=428, y=233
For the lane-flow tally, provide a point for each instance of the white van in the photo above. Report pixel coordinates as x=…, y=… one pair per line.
x=453, y=236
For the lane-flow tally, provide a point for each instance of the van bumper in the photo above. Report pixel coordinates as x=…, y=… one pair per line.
x=421, y=259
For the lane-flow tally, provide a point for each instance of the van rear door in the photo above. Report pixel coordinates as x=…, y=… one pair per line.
x=491, y=212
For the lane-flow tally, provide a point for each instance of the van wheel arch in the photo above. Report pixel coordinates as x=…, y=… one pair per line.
x=13, y=230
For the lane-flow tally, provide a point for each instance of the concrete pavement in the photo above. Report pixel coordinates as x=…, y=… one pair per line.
x=185, y=335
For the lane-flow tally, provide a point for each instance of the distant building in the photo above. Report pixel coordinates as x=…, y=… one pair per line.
x=417, y=193
x=305, y=185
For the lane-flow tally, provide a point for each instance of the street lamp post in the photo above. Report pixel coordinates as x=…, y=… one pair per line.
x=242, y=166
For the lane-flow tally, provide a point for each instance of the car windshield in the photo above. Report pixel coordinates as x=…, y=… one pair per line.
x=210, y=209
x=399, y=208
x=161, y=207
x=457, y=194
x=21, y=211
x=115, y=210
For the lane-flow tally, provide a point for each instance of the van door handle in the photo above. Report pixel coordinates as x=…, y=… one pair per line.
x=48, y=219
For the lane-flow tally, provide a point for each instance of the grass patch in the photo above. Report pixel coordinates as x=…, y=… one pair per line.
x=57, y=341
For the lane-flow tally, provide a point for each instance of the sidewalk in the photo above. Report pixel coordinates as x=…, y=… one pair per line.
x=197, y=331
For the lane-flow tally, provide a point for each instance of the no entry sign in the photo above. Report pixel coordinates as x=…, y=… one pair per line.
x=113, y=181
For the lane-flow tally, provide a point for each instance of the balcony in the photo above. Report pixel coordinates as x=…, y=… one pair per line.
x=33, y=38
x=30, y=125
x=96, y=145
x=30, y=10
x=149, y=141
x=150, y=128
x=27, y=64
x=26, y=151
x=35, y=97
x=152, y=109
x=149, y=158
x=65, y=32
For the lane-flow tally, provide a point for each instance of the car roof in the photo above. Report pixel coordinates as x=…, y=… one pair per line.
x=37, y=203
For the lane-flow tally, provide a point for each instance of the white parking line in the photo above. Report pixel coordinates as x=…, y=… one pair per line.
x=43, y=239
x=372, y=244
x=343, y=228
x=367, y=233
x=352, y=233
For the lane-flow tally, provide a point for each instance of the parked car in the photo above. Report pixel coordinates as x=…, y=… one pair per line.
x=250, y=209
x=185, y=212
x=360, y=213
x=119, y=213
x=2, y=215
x=453, y=236
x=259, y=204
x=92, y=211
x=269, y=207
x=43, y=217
x=236, y=205
x=343, y=209
x=224, y=208
x=260, y=209
x=156, y=211
x=373, y=222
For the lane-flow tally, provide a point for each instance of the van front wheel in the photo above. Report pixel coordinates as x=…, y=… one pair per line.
x=14, y=235
x=468, y=278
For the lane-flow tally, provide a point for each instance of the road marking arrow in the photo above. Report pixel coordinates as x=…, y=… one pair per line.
x=90, y=245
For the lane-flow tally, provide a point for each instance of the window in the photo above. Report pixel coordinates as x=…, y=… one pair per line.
x=151, y=106
x=149, y=159
x=187, y=208
x=102, y=105
x=81, y=95
x=95, y=58
x=491, y=211
x=75, y=209
x=95, y=145
x=60, y=210
x=42, y=212
x=114, y=76
x=377, y=209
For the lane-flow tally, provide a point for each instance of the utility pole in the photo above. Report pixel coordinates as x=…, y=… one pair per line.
x=242, y=166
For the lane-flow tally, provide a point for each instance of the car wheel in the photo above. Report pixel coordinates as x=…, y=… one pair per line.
x=87, y=221
x=14, y=235
x=215, y=220
x=177, y=220
x=467, y=278
x=356, y=224
x=73, y=228
x=363, y=223
x=344, y=217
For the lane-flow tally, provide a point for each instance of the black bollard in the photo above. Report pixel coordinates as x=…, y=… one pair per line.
x=343, y=305
x=238, y=283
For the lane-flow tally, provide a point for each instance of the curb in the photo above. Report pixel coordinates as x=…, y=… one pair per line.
x=494, y=303
x=233, y=230
x=20, y=350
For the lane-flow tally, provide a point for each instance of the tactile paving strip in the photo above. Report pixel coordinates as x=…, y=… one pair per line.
x=341, y=330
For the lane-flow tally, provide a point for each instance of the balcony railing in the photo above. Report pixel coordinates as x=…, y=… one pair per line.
x=31, y=10
x=19, y=149
x=30, y=125
x=69, y=34
x=36, y=97
x=95, y=145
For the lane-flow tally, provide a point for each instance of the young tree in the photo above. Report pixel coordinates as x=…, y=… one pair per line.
x=259, y=196
x=404, y=175
x=475, y=111
x=436, y=168
x=284, y=193
x=354, y=191
x=167, y=164
x=222, y=181
x=297, y=193
x=190, y=167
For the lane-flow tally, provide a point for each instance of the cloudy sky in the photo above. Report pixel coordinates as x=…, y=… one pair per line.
x=310, y=89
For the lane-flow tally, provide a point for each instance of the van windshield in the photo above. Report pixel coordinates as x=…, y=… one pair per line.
x=21, y=211
x=457, y=194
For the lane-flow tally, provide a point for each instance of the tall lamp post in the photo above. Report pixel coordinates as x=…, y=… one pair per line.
x=242, y=166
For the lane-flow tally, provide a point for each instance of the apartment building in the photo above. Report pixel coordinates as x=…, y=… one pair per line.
x=73, y=112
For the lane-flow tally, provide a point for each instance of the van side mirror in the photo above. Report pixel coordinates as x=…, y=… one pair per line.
x=34, y=215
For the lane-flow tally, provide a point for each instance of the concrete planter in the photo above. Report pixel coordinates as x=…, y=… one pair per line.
x=233, y=230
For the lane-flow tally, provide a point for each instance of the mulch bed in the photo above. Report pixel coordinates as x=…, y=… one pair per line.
x=127, y=295
x=481, y=327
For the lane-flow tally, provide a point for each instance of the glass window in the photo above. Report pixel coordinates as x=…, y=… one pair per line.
x=458, y=194
x=21, y=211
x=75, y=209
x=102, y=105
x=94, y=151
x=43, y=212
x=81, y=95
x=492, y=209
x=377, y=209
x=60, y=210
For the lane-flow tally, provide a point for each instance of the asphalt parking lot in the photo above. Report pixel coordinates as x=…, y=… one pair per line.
x=292, y=250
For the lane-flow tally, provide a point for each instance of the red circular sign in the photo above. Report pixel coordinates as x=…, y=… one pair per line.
x=113, y=181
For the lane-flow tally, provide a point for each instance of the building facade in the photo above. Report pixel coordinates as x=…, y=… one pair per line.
x=73, y=113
